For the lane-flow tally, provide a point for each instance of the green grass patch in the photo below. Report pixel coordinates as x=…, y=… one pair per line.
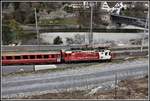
x=66, y=21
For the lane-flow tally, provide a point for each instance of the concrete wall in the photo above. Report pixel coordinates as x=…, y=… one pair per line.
x=44, y=67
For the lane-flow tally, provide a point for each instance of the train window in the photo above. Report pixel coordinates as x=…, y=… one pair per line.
x=53, y=56
x=45, y=56
x=106, y=53
x=8, y=57
x=25, y=57
x=17, y=57
x=109, y=53
x=68, y=54
x=39, y=56
x=2, y=58
x=32, y=57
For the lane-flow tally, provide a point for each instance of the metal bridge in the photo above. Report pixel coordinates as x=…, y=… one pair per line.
x=118, y=19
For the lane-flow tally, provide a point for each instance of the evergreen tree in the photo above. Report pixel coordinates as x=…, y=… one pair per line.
x=15, y=28
x=7, y=35
x=57, y=40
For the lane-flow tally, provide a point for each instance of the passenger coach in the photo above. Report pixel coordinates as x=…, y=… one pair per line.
x=31, y=58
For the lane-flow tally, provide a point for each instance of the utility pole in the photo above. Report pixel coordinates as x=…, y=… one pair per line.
x=142, y=41
x=116, y=83
x=37, y=30
x=91, y=25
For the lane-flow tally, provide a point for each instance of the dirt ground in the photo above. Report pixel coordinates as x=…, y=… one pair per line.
x=127, y=89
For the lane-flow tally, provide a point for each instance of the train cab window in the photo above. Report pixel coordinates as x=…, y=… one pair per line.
x=32, y=57
x=45, y=56
x=52, y=56
x=39, y=56
x=25, y=57
x=17, y=57
x=106, y=53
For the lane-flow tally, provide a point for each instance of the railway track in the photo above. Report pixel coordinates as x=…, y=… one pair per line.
x=32, y=48
x=82, y=78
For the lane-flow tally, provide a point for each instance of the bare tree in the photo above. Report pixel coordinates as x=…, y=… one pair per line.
x=79, y=39
x=69, y=40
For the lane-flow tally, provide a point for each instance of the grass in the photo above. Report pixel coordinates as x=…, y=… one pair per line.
x=69, y=21
x=66, y=21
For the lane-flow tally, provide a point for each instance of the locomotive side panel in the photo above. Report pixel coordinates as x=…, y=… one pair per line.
x=87, y=55
x=81, y=56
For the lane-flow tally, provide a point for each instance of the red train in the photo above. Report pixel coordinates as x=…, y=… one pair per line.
x=56, y=57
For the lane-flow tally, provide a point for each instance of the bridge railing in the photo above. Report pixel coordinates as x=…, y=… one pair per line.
x=128, y=20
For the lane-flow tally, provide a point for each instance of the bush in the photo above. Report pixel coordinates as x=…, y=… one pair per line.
x=57, y=40
x=7, y=35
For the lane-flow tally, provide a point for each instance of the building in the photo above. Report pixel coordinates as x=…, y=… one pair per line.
x=105, y=6
x=83, y=4
x=113, y=7
x=76, y=5
x=117, y=8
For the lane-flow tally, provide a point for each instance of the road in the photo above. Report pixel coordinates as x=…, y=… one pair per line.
x=81, y=78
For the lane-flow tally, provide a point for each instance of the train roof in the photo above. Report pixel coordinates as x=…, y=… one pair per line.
x=27, y=53
x=89, y=49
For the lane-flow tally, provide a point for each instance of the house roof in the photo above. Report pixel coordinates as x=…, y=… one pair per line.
x=111, y=4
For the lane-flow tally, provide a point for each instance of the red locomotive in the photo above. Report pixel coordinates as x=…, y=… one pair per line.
x=77, y=56
x=56, y=57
